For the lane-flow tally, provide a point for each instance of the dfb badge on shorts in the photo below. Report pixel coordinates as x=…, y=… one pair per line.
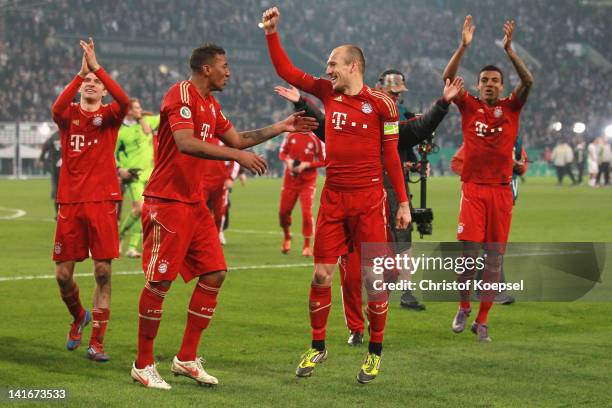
x=97, y=121
x=460, y=229
x=163, y=266
x=366, y=108
x=185, y=112
x=498, y=112
x=57, y=248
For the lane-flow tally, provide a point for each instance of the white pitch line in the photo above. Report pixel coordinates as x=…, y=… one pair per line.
x=243, y=231
x=126, y=273
x=16, y=213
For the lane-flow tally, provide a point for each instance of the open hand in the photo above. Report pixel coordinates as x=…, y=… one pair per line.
x=509, y=27
x=90, y=54
x=452, y=89
x=296, y=122
x=84, y=68
x=468, y=31
x=252, y=162
x=292, y=94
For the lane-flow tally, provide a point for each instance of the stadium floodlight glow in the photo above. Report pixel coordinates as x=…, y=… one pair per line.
x=579, y=127
x=557, y=126
x=608, y=131
x=44, y=129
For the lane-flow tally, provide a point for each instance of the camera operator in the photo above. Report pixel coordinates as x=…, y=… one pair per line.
x=414, y=130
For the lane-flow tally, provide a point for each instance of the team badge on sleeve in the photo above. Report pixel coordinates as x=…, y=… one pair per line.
x=391, y=128
x=185, y=112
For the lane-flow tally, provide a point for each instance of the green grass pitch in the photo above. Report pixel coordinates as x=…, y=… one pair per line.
x=543, y=354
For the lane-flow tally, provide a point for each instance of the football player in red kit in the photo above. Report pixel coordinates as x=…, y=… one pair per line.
x=88, y=194
x=303, y=154
x=180, y=236
x=490, y=125
x=216, y=190
x=361, y=126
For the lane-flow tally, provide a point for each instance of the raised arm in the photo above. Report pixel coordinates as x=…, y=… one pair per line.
x=122, y=101
x=282, y=64
x=67, y=95
x=294, y=123
x=522, y=89
x=63, y=100
x=466, y=38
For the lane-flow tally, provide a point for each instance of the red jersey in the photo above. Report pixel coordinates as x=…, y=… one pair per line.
x=456, y=163
x=305, y=147
x=178, y=176
x=88, y=172
x=358, y=128
x=489, y=136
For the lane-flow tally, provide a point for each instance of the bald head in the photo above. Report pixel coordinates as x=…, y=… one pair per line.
x=351, y=53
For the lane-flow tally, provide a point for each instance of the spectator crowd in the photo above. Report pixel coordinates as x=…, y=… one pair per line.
x=39, y=53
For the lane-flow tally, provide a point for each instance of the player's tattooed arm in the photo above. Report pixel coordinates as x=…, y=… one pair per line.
x=187, y=144
x=522, y=89
x=295, y=122
x=467, y=33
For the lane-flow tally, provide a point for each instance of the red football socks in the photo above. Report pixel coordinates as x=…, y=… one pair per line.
x=377, y=316
x=200, y=312
x=99, y=323
x=149, y=318
x=320, y=305
x=483, y=312
x=73, y=303
x=306, y=242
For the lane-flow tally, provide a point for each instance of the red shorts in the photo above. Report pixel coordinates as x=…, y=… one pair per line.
x=86, y=227
x=348, y=219
x=179, y=238
x=485, y=213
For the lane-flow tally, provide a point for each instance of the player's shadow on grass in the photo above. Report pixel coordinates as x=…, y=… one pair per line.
x=50, y=357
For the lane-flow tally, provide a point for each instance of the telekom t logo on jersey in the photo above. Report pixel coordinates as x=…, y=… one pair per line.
x=481, y=129
x=77, y=141
x=338, y=118
x=205, y=130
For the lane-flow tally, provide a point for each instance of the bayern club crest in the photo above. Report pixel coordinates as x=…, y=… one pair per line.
x=498, y=112
x=366, y=108
x=97, y=121
x=58, y=248
x=163, y=267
